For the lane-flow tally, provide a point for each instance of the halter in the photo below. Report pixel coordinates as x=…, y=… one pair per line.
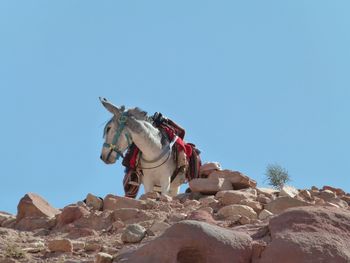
x=113, y=146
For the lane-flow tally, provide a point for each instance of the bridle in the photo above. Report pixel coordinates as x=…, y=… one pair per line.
x=113, y=146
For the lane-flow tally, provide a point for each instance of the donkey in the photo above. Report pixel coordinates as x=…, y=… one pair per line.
x=157, y=161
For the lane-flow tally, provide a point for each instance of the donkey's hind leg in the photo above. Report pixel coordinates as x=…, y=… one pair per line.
x=174, y=190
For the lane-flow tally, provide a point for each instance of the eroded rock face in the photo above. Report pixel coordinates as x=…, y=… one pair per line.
x=197, y=242
x=309, y=234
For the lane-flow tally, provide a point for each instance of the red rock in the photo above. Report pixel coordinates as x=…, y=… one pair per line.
x=195, y=242
x=103, y=258
x=237, y=179
x=60, y=245
x=282, y=203
x=34, y=206
x=112, y=202
x=203, y=216
x=337, y=191
x=309, y=234
x=131, y=215
x=70, y=214
x=209, y=185
x=96, y=220
x=208, y=168
x=94, y=202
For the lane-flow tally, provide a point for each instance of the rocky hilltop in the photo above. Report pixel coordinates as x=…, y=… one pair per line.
x=225, y=218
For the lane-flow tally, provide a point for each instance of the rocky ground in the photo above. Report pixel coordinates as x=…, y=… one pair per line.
x=226, y=218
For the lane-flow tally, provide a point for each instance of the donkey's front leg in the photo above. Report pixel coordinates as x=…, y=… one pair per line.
x=148, y=184
x=165, y=184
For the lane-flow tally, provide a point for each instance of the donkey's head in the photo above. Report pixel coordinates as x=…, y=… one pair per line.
x=117, y=133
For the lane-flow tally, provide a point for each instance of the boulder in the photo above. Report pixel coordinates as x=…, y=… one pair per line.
x=159, y=227
x=201, y=215
x=94, y=202
x=103, y=258
x=131, y=215
x=269, y=192
x=210, y=185
x=234, y=196
x=133, y=233
x=309, y=234
x=96, y=220
x=282, y=203
x=232, y=212
x=326, y=195
x=288, y=191
x=60, y=245
x=237, y=179
x=34, y=206
x=208, y=168
x=257, y=207
x=70, y=214
x=265, y=214
x=338, y=191
x=112, y=202
x=150, y=195
x=195, y=242
x=5, y=216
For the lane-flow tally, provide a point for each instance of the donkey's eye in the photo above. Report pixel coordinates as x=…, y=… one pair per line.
x=108, y=128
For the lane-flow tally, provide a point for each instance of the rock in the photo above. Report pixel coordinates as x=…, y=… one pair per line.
x=112, y=202
x=346, y=199
x=94, y=202
x=133, y=233
x=150, y=195
x=257, y=207
x=34, y=206
x=5, y=216
x=165, y=198
x=96, y=220
x=309, y=234
x=159, y=227
x=206, y=201
x=269, y=192
x=282, y=203
x=191, y=203
x=231, y=212
x=60, y=245
x=207, y=209
x=34, y=223
x=244, y=220
x=78, y=245
x=305, y=195
x=70, y=214
x=263, y=199
x=288, y=191
x=326, y=195
x=131, y=215
x=233, y=196
x=103, y=258
x=193, y=241
x=210, y=185
x=237, y=179
x=338, y=191
x=93, y=246
x=339, y=202
x=201, y=215
x=208, y=168
x=176, y=217
x=265, y=214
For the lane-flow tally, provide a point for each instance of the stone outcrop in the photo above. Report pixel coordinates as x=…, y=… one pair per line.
x=192, y=241
x=309, y=234
x=225, y=218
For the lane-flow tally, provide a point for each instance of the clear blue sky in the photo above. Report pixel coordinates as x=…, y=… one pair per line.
x=253, y=83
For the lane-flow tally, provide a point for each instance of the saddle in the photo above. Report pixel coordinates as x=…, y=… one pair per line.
x=186, y=156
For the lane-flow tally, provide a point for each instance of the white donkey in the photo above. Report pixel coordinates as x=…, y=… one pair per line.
x=157, y=162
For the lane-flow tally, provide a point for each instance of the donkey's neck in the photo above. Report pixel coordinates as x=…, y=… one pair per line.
x=147, y=138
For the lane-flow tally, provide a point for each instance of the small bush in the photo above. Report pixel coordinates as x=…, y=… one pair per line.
x=276, y=176
x=13, y=251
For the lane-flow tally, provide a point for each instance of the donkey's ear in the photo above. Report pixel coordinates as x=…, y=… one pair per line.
x=110, y=107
